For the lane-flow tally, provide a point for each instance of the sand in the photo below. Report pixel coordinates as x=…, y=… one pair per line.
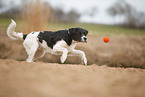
x=39, y=79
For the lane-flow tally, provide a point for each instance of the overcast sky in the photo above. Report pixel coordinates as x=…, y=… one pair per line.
x=84, y=6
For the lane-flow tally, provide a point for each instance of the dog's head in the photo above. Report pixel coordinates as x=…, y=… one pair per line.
x=78, y=34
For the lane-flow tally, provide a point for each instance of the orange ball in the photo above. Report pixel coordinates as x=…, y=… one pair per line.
x=106, y=39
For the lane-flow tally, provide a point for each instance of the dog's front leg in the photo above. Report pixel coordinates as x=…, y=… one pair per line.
x=64, y=52
x=81, y=54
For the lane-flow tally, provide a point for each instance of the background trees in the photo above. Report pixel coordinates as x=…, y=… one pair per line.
x=132, y=17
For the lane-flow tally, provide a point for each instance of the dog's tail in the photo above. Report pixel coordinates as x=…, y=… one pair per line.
x=11, y=31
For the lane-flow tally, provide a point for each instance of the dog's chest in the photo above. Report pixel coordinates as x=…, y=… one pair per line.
x=45, y=47
x=59, y=44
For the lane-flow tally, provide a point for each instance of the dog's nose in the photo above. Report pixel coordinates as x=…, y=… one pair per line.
x=85, y=38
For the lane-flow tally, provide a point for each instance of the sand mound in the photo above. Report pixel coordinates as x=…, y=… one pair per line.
x=122, y=51
x=22, y=79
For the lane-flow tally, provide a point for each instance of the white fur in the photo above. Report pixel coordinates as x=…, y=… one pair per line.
x=83, y=38
x=35, y=49
x=66, y=50
x=31, y=45
x=11, y=33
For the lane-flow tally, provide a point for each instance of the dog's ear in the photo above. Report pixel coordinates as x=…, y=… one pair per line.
x=72, y=30
x=85, y=32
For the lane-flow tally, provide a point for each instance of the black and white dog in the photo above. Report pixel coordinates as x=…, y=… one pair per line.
x=61, y=42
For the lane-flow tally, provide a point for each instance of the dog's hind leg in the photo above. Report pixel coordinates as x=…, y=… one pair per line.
x=39, y=53
x=31, y=50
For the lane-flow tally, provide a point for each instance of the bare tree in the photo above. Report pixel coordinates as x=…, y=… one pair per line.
x=91, y=11
x=1, y=4
x=71, y=16
x=132, y=18
x=12, y=11
x=120, y=8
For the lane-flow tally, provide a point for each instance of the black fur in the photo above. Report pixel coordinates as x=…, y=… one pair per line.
x=24, y=37
x=67, y=35
x=77, y=33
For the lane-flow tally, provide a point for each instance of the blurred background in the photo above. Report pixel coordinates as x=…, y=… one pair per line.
x=121, y=20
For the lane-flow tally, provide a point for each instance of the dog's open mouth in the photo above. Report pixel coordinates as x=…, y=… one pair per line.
x=85, y=41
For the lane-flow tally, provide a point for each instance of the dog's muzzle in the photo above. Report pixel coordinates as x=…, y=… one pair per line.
x=84, y=39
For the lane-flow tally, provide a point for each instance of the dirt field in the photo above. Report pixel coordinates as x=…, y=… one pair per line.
x=47, y=78
x=22, y=79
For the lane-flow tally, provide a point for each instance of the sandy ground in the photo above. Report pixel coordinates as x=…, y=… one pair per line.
x=22, y=79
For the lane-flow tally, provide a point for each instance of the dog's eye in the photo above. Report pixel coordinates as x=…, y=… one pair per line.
x=80, y=33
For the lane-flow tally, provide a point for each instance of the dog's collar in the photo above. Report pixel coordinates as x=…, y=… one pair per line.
x=68, y=31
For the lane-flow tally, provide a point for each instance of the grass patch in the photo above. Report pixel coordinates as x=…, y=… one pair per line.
x=94, y=29
x=4, y=21
x=97, y=29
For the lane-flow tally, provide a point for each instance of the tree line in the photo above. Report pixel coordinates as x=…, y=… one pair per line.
x=120, y=9
x=15, y=11
x=132, y=17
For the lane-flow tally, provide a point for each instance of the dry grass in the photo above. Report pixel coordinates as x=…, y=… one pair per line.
x=35, y=16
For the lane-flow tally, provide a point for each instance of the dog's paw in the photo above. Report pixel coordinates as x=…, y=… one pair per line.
x=84, y=61
x=62, y=59
x=29, y=61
